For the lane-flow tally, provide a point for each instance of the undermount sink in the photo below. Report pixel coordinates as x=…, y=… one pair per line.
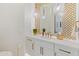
x=46, y=37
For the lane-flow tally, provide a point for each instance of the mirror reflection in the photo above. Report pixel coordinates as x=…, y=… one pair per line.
x=50, y=16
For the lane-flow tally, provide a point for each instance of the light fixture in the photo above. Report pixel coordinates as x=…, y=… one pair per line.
x=43, y=17
x=58, y=7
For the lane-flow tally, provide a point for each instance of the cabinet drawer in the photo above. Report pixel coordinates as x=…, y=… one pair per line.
x=68, y=51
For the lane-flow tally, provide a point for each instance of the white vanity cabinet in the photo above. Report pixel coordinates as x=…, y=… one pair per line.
x=36, y=46
x=61, y=50
x=44, y=48
x=30, y=46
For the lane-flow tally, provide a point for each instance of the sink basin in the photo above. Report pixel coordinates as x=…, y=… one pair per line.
x=46, y=37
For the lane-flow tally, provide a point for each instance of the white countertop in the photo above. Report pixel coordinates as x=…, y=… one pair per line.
x=66, y=42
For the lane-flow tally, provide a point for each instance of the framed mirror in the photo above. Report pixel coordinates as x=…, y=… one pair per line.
x=49, y=16
x=45, y=17
x=58, y=16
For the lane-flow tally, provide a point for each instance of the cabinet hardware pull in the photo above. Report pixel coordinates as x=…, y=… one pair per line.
x=65, y=51
x=60, y=24
x=41, y=50
x=55, y=54
x=32, y=46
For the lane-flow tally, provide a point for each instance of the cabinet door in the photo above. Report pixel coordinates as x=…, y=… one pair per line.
x=29, y=46
x=37, y=50
x=62, y=50
x=43, y=51
x=48, y=51
x=44, y=48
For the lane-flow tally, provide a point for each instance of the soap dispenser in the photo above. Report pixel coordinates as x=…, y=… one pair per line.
x=43, y=31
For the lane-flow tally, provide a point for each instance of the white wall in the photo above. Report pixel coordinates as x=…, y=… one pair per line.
x=11, y=26
x=29, y=18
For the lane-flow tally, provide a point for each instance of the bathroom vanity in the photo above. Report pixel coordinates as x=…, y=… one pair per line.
x=55, y=19
x=43, y=46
